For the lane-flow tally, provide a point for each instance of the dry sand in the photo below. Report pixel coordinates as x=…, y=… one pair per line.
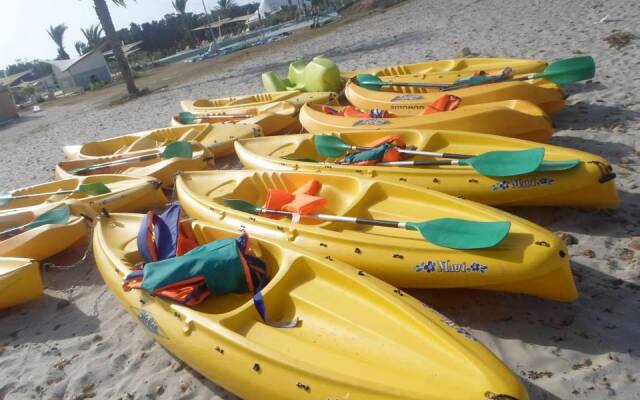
x=77, y=342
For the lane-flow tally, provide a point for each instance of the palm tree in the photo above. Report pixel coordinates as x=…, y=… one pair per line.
x=93, y=34
x=181, y=7
x=81, y=47
x=102, y=10
x=224, y=6
x=57, y=35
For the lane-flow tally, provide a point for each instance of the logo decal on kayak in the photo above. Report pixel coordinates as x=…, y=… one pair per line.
x=448, y=266
x=372, y=121
x=451, y=324
x=521, y=183
x=457, y=328
x=149, y=322
x=408, y=97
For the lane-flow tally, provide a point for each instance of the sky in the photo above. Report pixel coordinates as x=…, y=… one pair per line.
x=23, y=23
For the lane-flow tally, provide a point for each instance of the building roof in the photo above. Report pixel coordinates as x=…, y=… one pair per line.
x=225, y=21
x=127, y=49
x=11, y=79
x=64, y=65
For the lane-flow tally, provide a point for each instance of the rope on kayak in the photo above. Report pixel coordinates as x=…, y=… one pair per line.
x=606, y=172
x=86, y=252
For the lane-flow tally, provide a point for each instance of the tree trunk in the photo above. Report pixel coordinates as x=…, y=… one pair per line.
x=107, y=25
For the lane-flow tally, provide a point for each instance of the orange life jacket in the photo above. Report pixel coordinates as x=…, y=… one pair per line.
x=446, y=102
x=302, y=201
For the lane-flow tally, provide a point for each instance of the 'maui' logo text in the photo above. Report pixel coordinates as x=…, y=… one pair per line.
x=448, y=266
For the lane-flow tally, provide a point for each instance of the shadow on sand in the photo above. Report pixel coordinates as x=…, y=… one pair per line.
x=583, y=115
x=48, y=318
x=612, y=151
x=594, y=324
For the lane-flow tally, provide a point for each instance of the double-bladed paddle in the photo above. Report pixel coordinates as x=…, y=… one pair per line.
x=92, y=189
x=179, y=149
x=560, y=72
x=452, y=233
x=189, y=118
x=491, y=163
x=58, y=216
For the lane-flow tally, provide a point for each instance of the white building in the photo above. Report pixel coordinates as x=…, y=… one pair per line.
x=79, y=72
x=7, y=106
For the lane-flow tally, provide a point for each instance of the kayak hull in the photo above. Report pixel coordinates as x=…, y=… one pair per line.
x=216, y=138
x=161, y=169
x=513, y=118
x=128, y=193
x=297, y=98
x=20, y=281
x=590, y=184
x=409, y=101
x=41, y=242
x=397, y=256
x=447, y=71
x=273, y=118
x=348, y=324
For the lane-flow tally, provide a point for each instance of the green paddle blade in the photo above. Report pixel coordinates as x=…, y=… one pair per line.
x=569, y=70
x=461, y=234
x=558, y=165
x=241, y=205
x=369, y=81
x=5, y=197
x=330, y=146
x=58, y=216
x=187, y=118
x=506, y=163
x=94, y=189
x=179, y=149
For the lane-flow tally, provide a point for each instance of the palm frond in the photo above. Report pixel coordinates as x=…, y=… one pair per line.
x=57, y=33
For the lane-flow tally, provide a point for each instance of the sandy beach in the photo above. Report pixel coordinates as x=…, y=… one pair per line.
x=78, y=342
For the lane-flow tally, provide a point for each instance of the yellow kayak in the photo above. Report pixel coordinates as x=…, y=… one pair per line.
x=161, y=169
x=217, y=138
x=590, y=184
x=530, y=260
x=20, y=281
x=274, y=118
x=514, y=118
x=409, y=101
x=447, y=71
x=356, y=338
x=295, y=97
x=41, y=242
x=127, y=193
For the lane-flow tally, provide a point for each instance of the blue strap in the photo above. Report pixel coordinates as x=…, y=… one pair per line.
x=142, y=240
x=166, y=232
x=133, y=275
x=258, y=302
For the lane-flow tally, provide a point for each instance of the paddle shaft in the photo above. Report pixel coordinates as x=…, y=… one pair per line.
x=336, y=218
x=13, y=231
x=418, y=153
x=30, y=196
x=95, y=167
x=423, y=163
x=417, y=84
x=209, y=115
